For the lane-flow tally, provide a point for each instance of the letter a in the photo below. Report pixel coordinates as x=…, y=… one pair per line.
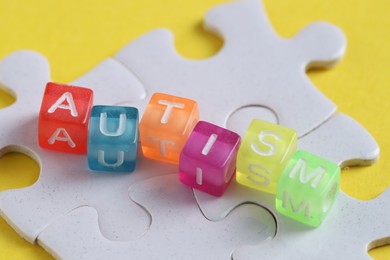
x=66, y=138
x=60, y=104
x=303, y=205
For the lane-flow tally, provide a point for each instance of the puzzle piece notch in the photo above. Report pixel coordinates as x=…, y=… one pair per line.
x=185, y=233
x=236, y=67
x=20, y=72
x=319, y=44
x=7, y=98
x=337, y=131
x=240, y=119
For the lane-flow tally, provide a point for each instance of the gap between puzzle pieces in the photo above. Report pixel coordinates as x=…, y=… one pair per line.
x=179, y=232
x=350, y=230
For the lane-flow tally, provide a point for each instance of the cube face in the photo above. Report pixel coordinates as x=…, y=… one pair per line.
x=208, y=159
x=64, y=118
x=165, y=126
x=265, y=151
x=308, y=188
x=113, y=139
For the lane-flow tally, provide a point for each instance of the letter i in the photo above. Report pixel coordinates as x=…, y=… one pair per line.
x=205, y=151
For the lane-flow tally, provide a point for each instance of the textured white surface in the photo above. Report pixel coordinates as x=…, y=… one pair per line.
x=256, y=72
x=178, y=229
x=349, y=231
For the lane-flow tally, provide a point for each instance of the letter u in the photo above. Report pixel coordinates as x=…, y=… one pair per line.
x=103, y=125
x=119, y=161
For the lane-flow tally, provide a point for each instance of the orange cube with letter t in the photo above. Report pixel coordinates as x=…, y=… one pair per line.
x=165, y=126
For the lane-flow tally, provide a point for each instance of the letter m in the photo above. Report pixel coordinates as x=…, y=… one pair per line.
x=315, y=176
x=304, y=205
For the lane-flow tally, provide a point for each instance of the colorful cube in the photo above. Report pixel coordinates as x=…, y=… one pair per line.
x=208, y=159
x=64, y=117
x=165, y=126
x=113, y=139
x=265, y=151
x=308, y=188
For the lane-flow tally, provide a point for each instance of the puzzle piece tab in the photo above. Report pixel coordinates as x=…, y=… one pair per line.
x=351, y=224
x=178, y=229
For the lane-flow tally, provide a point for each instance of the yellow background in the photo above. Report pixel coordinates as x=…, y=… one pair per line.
x=76, y=35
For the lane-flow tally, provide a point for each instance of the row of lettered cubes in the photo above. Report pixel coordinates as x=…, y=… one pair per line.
x=305, y=185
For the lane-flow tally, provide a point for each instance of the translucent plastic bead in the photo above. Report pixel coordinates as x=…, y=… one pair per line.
x=308, y=188
x=165, y=126
x=64, y=117
x=113, y=139
x=208, y=159
x=265, y=151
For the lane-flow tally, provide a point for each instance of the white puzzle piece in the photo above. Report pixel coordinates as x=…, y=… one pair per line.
x=255, y=73
x=350, y=230
x=178, y=229
x=260, y=75
x=112, y=83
